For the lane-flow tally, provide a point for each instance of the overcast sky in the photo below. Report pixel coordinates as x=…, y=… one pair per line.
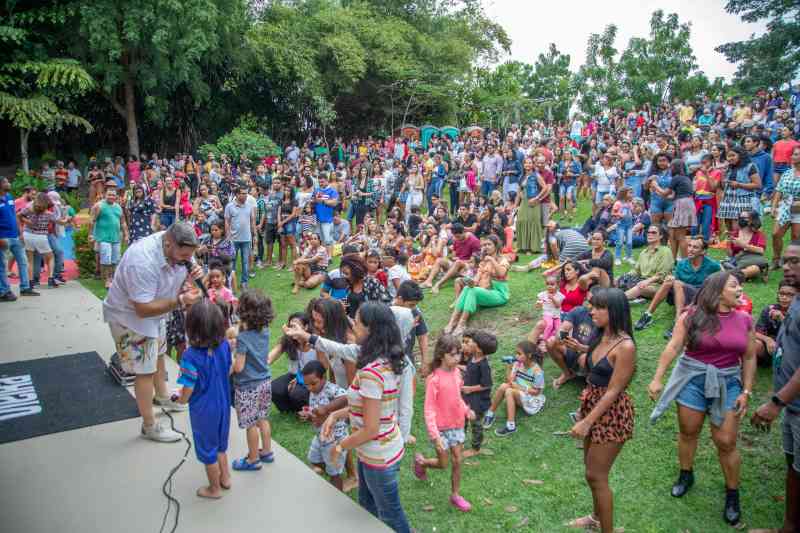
x=533, y=24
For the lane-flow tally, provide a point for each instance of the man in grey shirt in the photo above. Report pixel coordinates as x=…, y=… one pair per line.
x=492, y=164
x=240, y=226
x=786, y=384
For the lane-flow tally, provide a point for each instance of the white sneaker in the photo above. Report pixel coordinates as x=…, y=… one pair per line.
x=631, y=261
x=617, y=262
x=170, y=404
x=637, y=301
x=159, y=432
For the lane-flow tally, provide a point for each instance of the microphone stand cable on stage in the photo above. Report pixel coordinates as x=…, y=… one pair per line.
x=166, y=488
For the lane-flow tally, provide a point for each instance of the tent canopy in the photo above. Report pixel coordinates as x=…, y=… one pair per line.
x=426, y=132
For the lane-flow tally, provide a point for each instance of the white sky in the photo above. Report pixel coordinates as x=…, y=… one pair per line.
x=533, y=24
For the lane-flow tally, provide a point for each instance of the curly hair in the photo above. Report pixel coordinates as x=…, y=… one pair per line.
x=255, y=309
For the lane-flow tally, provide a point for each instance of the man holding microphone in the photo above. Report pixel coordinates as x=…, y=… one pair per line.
x=155, y=276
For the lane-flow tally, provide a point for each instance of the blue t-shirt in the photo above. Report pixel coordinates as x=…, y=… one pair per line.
x=324, y=212
x=207, y=376
x=254, y=345
x=8, y=218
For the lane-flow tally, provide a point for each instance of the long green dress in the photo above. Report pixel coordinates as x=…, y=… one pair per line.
x=529, y=219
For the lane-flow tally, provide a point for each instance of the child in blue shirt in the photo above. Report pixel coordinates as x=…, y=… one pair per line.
x=252, y=383
x=205, y=367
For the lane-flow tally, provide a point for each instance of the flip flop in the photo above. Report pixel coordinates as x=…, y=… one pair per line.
x=584, y=522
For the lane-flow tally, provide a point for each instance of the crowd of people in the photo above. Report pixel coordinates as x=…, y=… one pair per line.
x=396, y=218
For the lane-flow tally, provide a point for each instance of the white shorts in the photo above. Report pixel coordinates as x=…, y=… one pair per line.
x=532, y=404
x=139, y=354
x=36, y=242
x=109, y=252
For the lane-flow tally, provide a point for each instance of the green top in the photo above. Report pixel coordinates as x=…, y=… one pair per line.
x=658, y=262
x=107, y=224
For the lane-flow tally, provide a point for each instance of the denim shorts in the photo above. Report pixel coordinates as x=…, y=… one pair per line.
x=567, y=191
x=693, y=394
x=320, y=453
x=453, y=437
x=791, y=436
x=109, y=252
x=659, y=205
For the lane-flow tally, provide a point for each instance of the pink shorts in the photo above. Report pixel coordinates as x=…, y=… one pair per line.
x=551, y=325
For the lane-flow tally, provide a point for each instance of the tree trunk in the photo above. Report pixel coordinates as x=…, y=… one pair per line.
x=23, y=148
x=130, y=116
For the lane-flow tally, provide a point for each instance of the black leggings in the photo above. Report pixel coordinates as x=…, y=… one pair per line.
x=288, y=401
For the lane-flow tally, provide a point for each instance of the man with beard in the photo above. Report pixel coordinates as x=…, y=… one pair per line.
x=786, y=384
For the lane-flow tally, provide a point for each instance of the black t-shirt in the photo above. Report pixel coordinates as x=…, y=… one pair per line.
x=479, y=374
x=469, y=221
x=682, y=185
x=583, y=329
x=606, y=261
x=421, y=328
x=414, y=222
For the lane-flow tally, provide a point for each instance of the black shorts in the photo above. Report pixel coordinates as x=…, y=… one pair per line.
x=689, y=292
x=572, y=360
x=270, y=233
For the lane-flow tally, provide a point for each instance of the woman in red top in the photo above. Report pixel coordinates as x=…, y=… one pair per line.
x=572, y=287
x=747, y=245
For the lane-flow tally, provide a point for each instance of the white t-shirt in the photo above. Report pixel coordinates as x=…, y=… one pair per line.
x=605, y=177
x=142, y=276
x=396, y=272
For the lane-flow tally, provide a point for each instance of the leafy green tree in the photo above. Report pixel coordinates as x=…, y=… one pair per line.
x=36, y=84
x=141, y=54
x=599, y=80
x=550, y=84
x=771, y=59
x=243, y=139
x=652, y=65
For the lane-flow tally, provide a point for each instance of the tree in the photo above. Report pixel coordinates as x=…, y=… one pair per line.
x=599, y=80
x=771, y=59
x=35, y=85
x=551, y=84
x=652, y=65
x=141, y=54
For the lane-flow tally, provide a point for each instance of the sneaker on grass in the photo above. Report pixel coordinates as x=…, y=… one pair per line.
x=160, y=432
x=645, y=321
x=488, y=420
x=505, y=431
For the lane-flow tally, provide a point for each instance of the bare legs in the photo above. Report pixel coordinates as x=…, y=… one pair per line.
x=599, y=458
x=218, y=476
x=263, y=432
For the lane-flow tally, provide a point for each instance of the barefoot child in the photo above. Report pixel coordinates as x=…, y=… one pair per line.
x=476, y=345
x=524, y=387
x=252, y=387
x=324, y=398
x=445, y=411
x=205, y=367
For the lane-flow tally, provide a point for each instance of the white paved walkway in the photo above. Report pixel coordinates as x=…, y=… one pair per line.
x=105, y=478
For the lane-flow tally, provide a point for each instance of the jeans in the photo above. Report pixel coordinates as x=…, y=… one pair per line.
x=244, y=248
x=703, y=222
x=487, y=187
x=378, y=493
x=434, y=188
x=453, y=188
x=624, y=233
x=58, y=258
x=17, y=249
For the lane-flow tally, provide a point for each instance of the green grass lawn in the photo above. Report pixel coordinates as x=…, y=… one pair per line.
x=499, y=483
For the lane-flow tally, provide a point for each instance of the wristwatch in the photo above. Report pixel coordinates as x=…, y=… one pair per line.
x=777, y=401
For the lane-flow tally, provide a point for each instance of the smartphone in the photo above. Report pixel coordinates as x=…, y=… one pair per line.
x=574, y=417
x=562, y=335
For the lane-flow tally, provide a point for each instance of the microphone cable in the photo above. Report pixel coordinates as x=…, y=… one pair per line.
x=166, y=488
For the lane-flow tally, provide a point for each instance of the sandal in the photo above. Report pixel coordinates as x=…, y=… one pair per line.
x=584, y=522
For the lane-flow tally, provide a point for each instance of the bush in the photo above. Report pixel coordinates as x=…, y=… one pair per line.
x=22, y=180
x=84, y=252
x=241, y=140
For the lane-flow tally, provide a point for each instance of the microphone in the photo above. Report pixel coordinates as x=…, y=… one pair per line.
x=198, y=283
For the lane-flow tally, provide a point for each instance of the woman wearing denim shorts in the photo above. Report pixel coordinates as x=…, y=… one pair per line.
x=713, y=377
x=660, y=207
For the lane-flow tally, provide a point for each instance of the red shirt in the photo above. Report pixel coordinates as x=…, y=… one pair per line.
x=782, y=151
x=573, y=298
x=466, y=247
x=758, y=239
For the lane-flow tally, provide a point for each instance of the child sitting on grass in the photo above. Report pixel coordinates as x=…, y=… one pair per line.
x=476, y=345
x=252, y=385
x=205, y=367
x=524, y=387
x=549, y=301
x=445, y=411
x=324, y=398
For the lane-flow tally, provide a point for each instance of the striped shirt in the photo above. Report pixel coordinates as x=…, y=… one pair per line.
x=570, y=244
x=377, y=381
